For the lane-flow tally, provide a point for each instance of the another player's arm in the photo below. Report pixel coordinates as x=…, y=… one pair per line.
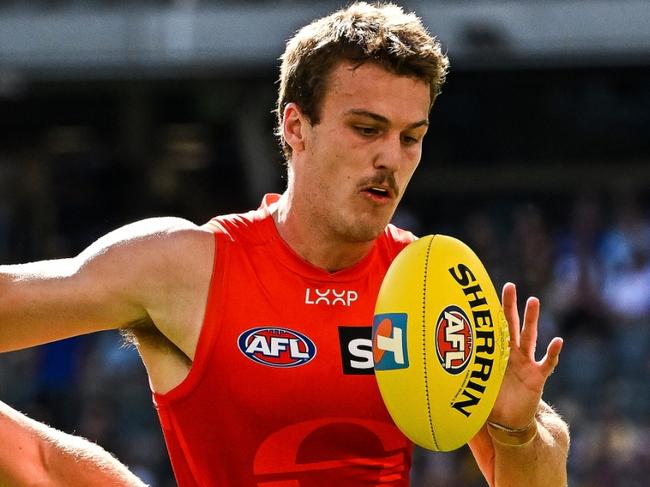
x=122, y=280
x=33, y=454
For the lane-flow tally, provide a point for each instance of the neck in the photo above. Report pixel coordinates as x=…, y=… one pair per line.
x=314, y=243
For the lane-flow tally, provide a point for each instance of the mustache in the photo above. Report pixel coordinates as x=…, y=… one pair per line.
x=381, y=179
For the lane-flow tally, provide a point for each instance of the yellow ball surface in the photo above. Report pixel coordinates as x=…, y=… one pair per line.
x=440, y=342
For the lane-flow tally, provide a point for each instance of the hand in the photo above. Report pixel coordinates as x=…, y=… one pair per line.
x=523, y=383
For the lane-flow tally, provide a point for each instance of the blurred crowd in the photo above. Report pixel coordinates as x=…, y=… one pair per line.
x=589, y=263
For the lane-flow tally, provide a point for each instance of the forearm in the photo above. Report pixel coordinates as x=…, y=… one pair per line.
x=32, y=454
x=540, y=463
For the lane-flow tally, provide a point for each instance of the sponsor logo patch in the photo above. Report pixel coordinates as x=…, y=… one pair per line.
x=356, y=350
x=454, y=341
x=276, y=347
x=389, y=341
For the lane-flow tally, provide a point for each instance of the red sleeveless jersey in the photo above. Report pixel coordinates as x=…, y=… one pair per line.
x=281, y=392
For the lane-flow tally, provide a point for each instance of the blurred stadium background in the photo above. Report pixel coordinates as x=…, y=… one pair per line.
x=538, y=156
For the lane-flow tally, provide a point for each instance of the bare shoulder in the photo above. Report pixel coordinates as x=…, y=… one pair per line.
x=165, y=265
x=153, y=234
x=169, y=262
x=160, y=256
x=154, y=247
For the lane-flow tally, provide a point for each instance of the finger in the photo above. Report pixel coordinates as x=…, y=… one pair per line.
x=509, y=300
x=528, y=341
x=552, y=357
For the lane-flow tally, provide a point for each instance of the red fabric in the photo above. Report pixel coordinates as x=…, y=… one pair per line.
x=238, y=422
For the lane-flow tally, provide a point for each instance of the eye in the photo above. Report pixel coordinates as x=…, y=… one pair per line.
x=366, y=131
x=409, y=140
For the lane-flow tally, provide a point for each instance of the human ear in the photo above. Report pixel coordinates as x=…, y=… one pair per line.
x=293, y=127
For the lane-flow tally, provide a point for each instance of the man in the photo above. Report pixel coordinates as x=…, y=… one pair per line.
x=246, y=324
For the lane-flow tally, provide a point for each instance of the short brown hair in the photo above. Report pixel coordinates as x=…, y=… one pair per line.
x=379, y=33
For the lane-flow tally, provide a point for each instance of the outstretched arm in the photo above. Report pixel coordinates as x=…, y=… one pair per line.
x=131, y=277
x=534, y=453
x=32, y=453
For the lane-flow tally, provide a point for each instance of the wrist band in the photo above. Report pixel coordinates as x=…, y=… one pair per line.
x=511, y=436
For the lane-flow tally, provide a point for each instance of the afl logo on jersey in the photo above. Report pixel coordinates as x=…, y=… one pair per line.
x=276, y=347
x=454, y=341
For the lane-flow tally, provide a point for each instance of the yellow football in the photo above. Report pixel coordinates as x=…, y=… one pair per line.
x=440, y=342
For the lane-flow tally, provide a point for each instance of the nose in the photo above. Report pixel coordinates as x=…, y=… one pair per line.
x=390, y=153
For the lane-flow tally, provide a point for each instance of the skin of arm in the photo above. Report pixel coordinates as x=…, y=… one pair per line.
x=33, y=454
x=144, y=276
x=125, y=279
x=542, y=462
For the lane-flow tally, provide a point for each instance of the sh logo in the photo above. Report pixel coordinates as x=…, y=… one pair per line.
x=331, y=297
x=356, y=349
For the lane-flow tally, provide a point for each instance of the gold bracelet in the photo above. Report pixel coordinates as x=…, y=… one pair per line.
x=511, y=436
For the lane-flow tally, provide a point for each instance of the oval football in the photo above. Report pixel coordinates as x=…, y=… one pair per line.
x=440, y=342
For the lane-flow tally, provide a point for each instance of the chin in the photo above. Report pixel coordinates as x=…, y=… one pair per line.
x=364, y=232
